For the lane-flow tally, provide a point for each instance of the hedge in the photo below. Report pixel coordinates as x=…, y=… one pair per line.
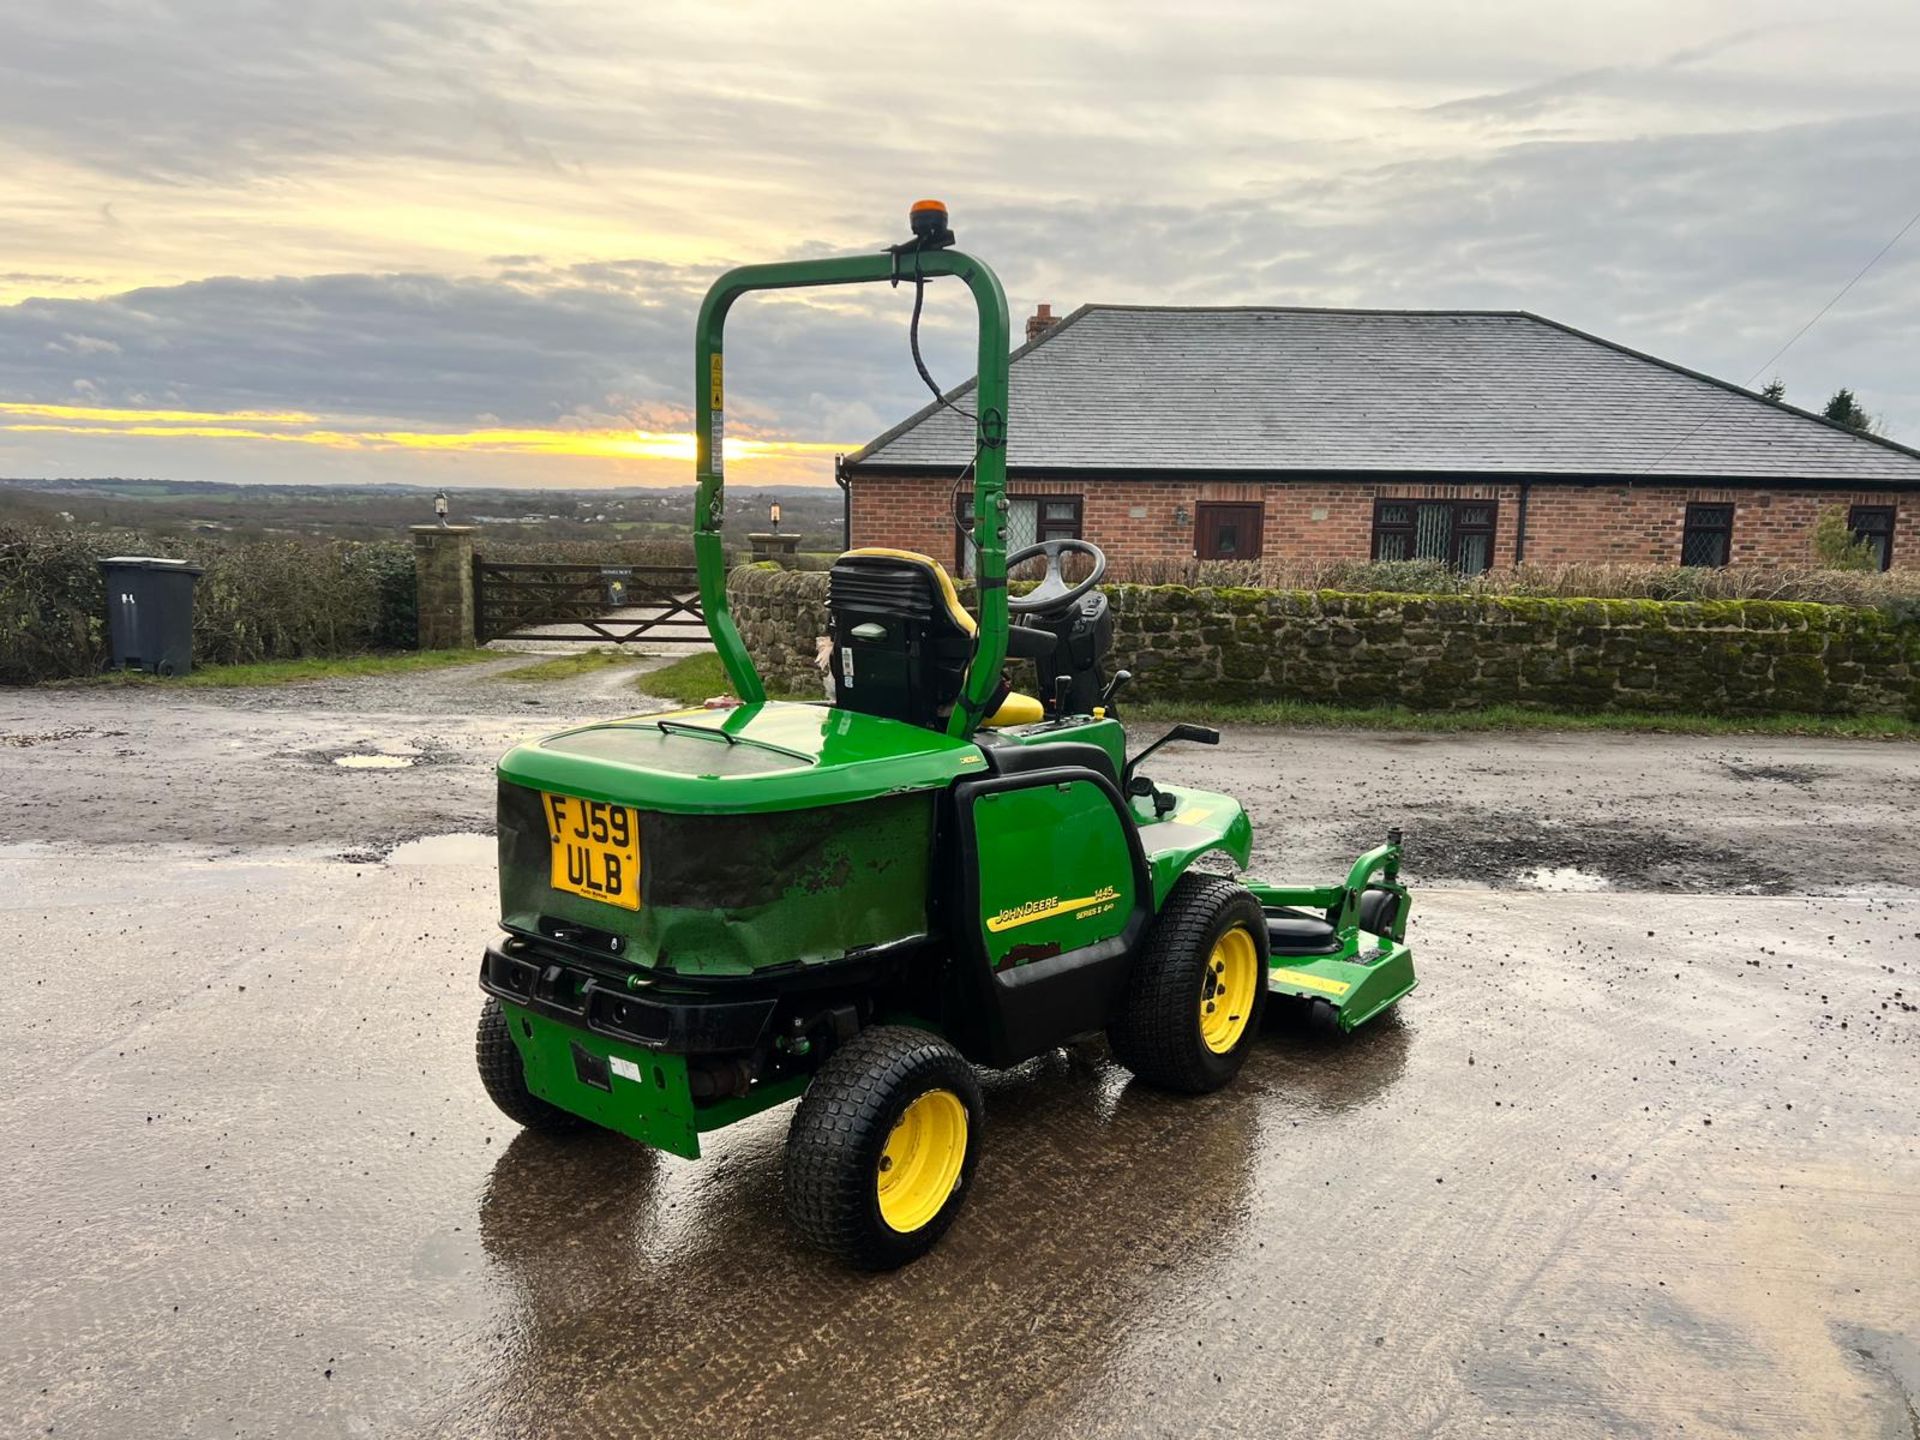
x=258, y=600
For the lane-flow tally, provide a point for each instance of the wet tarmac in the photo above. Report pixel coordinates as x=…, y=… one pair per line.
x=1639, y=1157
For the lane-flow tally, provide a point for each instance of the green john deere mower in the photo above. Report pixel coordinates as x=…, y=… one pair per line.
x=710, y=912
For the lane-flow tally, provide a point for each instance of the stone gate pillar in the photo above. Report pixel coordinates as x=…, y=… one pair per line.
x=443, y=575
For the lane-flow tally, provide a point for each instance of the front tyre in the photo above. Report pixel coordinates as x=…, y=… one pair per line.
x=1197, y=991
x=505, y=1078
x=882, y=1147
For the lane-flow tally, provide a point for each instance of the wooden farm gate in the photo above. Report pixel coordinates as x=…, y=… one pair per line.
x=591, y=604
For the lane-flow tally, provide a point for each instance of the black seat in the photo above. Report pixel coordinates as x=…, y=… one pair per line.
x=901, y=639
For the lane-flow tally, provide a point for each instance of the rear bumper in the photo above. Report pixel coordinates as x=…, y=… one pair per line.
x=662, y=1070
x=617, y=1086
x=578, y=996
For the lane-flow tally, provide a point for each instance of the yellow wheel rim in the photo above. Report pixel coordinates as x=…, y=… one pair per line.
x=1227, y=993
x=921, y=1163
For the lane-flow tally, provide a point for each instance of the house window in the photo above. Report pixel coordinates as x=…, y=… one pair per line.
x=1056, y=519
x=1708, y=538
x=1872, y=525
x=1030, y=520
x=1227, y=532
x=1459, y=532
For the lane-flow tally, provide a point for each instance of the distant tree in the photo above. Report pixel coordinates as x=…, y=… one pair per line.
x=1844, y=409
x=1774, y=390
x=1835, y=546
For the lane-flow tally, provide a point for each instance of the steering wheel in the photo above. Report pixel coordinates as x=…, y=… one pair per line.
x=1053, y=594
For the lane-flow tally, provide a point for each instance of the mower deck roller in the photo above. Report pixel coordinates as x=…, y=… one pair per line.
x=709, y=912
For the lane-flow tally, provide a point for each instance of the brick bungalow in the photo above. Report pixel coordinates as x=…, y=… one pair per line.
x=1478, y=437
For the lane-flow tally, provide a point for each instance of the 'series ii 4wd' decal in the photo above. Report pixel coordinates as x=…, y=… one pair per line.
x=1086, y=906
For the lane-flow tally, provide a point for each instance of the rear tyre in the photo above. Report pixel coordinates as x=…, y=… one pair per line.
x=1198, y=989
x=882, y=1148
x=505, y=1077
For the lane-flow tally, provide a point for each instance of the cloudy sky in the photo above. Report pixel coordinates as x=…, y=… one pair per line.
x=461, y=242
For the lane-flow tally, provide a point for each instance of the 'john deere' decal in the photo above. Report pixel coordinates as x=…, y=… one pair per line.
x=1084, y=908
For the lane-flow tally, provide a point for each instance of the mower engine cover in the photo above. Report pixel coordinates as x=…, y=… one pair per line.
x=724, y=842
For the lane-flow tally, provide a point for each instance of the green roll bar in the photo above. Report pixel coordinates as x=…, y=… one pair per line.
x=989, y=470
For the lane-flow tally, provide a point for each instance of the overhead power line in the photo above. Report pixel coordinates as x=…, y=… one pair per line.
x=1769, y=362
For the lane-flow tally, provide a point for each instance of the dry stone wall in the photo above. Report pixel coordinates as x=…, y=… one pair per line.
x=780, y=613
x=1438, y=652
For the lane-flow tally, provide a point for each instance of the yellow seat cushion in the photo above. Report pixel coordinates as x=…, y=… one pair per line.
x=1016, y=709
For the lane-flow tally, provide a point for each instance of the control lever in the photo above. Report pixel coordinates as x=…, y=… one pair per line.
x=1140, y=785
x=1062, y=692
x=1121, y=679
x=1199, y=734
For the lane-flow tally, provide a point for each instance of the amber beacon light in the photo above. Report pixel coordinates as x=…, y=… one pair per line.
x=928, y=219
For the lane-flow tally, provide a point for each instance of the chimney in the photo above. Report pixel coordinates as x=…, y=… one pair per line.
x=1041, y=321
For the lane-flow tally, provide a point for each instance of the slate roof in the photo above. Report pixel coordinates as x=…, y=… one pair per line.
x=1116, y=388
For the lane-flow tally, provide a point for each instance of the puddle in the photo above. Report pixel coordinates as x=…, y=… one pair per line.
x=1485, y=846
x=457, y=849
x=1562, y=878
x=21, y=741
x=1773, y=774
x=381, y=752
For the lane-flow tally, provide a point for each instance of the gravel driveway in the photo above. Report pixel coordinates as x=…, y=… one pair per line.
x=1638, y=1158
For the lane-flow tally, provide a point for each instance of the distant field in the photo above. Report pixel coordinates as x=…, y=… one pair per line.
x=179, y=509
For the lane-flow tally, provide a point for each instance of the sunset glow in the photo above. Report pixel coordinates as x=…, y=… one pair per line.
x=296, y=428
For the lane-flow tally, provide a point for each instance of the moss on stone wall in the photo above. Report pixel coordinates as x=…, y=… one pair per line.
x=1441, y=652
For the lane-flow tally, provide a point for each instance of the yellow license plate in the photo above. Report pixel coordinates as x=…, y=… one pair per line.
x=596, y=850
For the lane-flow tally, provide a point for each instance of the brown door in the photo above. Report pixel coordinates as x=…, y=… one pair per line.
x=1226, y=532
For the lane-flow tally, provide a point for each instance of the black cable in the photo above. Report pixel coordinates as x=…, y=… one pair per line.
x=953, y=502
x=913, y=342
